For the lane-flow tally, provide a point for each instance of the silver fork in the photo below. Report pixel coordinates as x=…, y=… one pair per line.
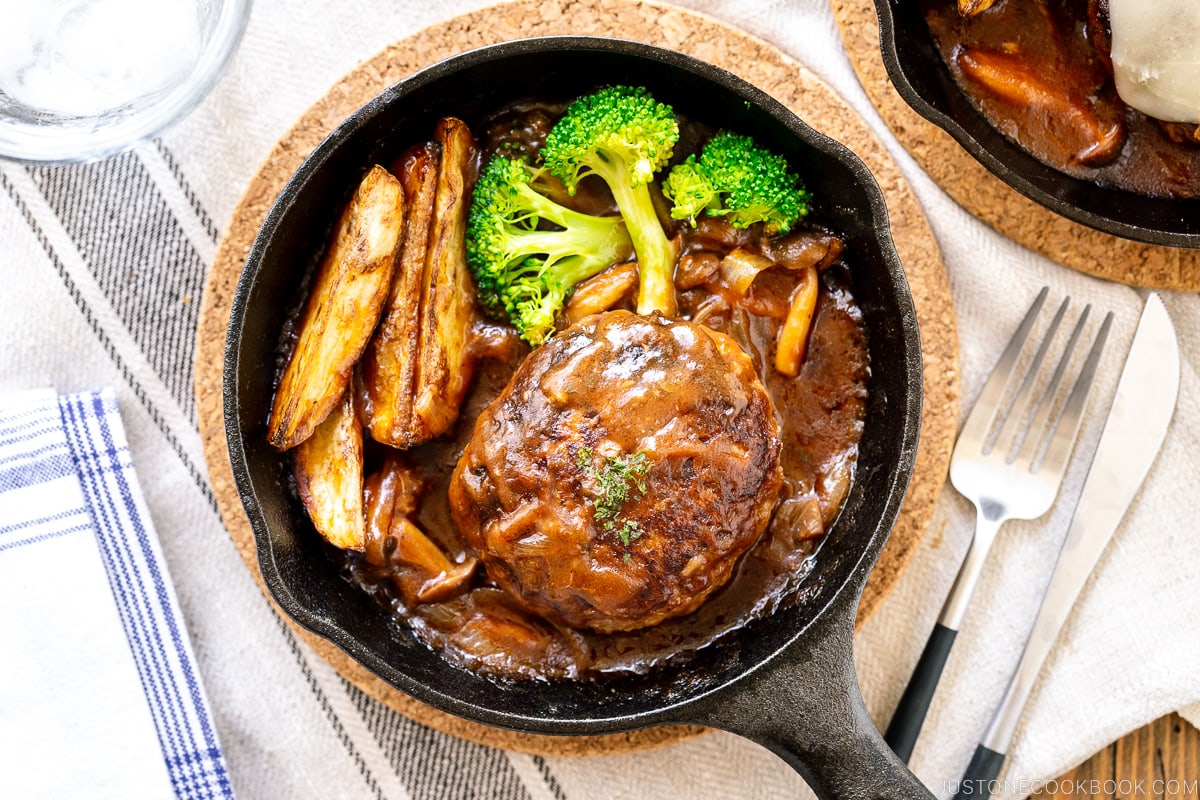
x=1009, y=460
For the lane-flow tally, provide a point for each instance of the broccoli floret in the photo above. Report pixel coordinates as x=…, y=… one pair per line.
x=735, y=177
x=524, y=271
x=624, y=136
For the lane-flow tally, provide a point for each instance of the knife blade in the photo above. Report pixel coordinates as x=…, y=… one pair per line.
x=1133, y=432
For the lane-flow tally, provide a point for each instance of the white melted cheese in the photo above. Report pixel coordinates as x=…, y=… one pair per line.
x=1156, y=56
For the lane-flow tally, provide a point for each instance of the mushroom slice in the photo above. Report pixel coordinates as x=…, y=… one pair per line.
x=390, y=492
x=802, y=249
x=695, y=269
x=420, y=569
x=793, y=336
x=601, y=292
x=445, y=362
x=328, y=466
x=347, y=296
x=437, y=577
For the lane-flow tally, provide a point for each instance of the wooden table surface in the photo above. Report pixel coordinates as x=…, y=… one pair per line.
x=1158, y=762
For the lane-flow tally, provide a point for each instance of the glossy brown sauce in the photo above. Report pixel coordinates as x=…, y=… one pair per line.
x=820, y=413
x=1056, y=42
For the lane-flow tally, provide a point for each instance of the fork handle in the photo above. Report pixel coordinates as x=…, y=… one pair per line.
x=910, y=714
x=987, y=525
x=906, y=722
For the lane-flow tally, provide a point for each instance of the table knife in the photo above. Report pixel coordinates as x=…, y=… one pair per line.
x=1133, y=433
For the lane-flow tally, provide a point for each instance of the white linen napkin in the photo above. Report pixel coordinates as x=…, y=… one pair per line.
x=99, y=693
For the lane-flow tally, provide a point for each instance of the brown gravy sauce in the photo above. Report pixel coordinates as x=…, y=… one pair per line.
x=820, y=413
x=1052, y=37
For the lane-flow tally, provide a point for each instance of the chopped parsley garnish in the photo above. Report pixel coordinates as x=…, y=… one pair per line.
x=629, y=532
x=616, y=477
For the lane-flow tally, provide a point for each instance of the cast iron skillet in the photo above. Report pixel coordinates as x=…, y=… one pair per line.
x=924, y=81
x=788, y=681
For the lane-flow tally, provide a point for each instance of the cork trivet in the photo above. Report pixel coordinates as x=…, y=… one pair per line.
x=676, y=29
x=989, y=198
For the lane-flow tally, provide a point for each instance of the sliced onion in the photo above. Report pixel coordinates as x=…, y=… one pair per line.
x=740, y=267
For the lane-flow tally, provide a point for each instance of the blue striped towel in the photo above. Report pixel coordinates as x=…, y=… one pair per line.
x=99, y=693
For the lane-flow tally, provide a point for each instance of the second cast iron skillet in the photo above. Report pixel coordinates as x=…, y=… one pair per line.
x=919, y=74
x=786, y=681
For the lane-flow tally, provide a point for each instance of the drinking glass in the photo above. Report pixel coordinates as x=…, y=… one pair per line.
x=84, y=79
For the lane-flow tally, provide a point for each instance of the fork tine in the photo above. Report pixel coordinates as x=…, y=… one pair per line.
x=1024, y=392
x=987, y=405
x=1026, y=447
x=1067, y=424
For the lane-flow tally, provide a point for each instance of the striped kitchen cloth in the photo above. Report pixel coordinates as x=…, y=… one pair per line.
x=99, y=694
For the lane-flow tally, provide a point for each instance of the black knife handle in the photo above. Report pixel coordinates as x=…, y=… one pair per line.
x=906, y=723
x=979, y=779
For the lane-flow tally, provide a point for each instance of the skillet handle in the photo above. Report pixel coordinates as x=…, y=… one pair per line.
x=805, y=706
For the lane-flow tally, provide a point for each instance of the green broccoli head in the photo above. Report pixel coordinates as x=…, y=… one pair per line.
x=624, y=136
x=690, y=189
x=737, y=178
x=616, y=130
x=524, y=269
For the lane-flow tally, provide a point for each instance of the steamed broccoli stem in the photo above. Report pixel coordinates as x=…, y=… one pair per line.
x=587, y=245
x=524, y=271
x=655, y=252
x=624, y=136
x=602, y=240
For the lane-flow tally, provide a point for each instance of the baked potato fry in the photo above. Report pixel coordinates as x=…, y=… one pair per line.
x=343, y=306
x=329, y=475
x=388, y=367
x=445, y=363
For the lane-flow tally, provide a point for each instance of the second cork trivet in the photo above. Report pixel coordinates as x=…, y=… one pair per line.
x=676, y=29
x=989, y=198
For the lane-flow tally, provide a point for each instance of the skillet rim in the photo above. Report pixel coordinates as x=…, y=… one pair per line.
x=848, y=583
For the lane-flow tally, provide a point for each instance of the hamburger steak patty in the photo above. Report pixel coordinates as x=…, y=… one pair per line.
x=620, y=475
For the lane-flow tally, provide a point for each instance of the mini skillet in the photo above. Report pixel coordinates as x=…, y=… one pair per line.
x=917, y=71
x=786, y=681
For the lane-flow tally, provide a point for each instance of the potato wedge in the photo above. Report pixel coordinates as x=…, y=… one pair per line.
x=329, y=475
x=445, y=362
x=387, y=372
x=343, y=306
